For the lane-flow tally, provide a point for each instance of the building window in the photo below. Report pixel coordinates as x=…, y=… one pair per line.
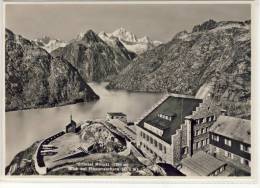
x=197, y=145
x=151, y=140
x=185, y=150
x=229, y=155
x=244, y=161
x=202, y=130
x=221, y=169
x=207, y=140
x=203, y=142
x=147, y=137
x=215, y=138
x=155, y=143
x=160, y=146
x=227, y=142
x=164, y=149
x=197, y=132
x=207, y=129
x=245, y=148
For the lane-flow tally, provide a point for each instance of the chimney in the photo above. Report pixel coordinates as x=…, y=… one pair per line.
x=188, y=123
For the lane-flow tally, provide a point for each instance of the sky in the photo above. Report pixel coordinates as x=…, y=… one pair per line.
x=159, y=22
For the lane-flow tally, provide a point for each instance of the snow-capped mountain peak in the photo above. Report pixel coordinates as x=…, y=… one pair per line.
x=49, y=44
x=123, y=34
x=145, y=39
x=129, y=40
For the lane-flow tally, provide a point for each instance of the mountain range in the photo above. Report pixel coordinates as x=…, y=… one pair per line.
x=93, y=58
x=213, y=59
x=34, y=78
x=49, y=44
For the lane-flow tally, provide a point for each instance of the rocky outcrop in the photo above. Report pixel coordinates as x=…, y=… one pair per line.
x=22, y=163
x=208, y=25
x=33, y=78
x=215, y=53
x=93, y=58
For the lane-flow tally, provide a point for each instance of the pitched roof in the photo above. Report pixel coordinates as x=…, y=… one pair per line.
x=232, y=127
x=181, y=106
x=202, y=163
x=116, y=114
x=72, y=123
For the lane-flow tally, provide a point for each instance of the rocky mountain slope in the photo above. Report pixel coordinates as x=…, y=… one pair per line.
x=22, y=163
x=93, y=58
x=129, y=40
x=49, y=44
x=33, y=78
x=214, y=58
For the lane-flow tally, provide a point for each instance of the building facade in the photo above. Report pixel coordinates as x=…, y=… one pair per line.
x=175, y=128
x=162, y=134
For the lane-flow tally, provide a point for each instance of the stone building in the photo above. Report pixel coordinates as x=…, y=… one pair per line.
x=161, y=132
x=230, y=141
x=71, y=127
x=176, y=128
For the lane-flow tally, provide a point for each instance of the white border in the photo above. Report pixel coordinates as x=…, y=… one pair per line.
x=150, y=179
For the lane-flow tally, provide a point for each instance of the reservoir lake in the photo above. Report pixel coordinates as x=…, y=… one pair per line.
x=25, y=127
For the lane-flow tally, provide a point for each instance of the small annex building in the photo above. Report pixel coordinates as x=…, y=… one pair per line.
x=71, y=127
x=117, y=115
x=203, y=164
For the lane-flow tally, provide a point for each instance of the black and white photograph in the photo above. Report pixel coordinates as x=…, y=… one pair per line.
x=120, y=89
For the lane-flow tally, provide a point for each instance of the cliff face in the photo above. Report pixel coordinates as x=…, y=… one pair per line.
x=34, y=78
x=214, y=53
x=93, y=58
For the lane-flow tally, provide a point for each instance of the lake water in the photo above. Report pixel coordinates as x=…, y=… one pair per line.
x=27, y=126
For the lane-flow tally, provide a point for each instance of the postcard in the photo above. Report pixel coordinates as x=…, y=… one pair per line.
x=123, y=89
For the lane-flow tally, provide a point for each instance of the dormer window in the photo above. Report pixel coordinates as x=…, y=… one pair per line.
x=168, y=117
